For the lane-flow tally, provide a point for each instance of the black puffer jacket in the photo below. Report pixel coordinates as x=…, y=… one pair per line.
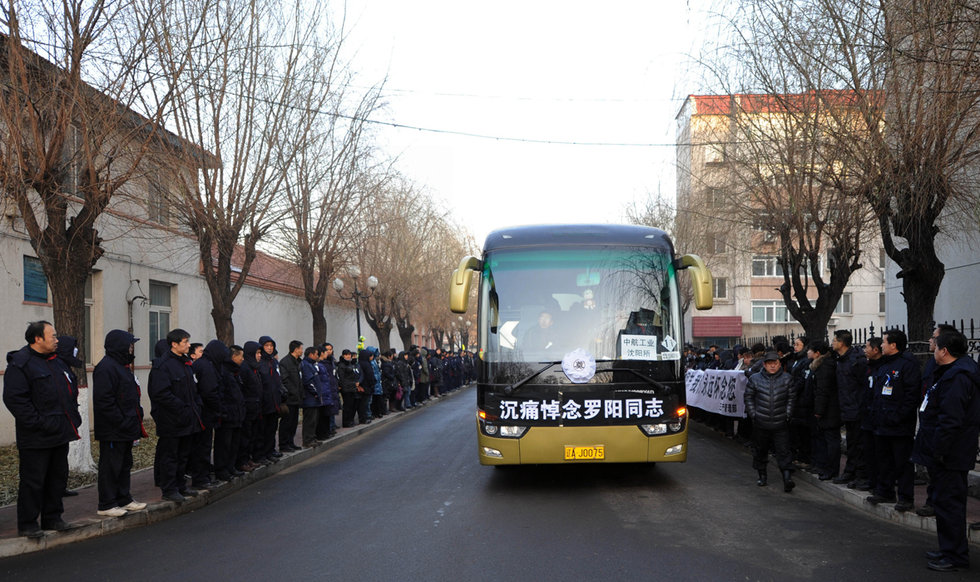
x=769, y=399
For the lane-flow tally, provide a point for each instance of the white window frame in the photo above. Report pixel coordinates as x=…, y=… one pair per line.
x=715, y=282
x=845, y=306
x=772, y=266
x=155, y=311
x=772, y=310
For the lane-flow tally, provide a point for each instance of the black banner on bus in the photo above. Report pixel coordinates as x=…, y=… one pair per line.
x=579, y=409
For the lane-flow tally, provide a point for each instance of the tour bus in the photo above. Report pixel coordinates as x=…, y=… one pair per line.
x=580, y=343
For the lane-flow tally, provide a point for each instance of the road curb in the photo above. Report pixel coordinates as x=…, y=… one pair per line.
x=851, y=497
x=162, y=510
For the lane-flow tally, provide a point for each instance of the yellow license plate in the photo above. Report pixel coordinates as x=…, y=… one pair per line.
x=593, y=453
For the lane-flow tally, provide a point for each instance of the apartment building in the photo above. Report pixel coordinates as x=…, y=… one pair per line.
x=742, y=248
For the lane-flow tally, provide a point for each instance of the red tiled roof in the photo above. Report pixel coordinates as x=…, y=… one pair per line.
x=768, y=103
x=717, y=326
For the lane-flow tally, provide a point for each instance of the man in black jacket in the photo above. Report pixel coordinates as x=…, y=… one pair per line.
x=897, y=388
x=769, y=402
x=851, y=368
x=45, y=411
x=271, y=399
x=118, y=422
x=949, y=422
x=177, y=413
x=293, y=383
x=207, y=371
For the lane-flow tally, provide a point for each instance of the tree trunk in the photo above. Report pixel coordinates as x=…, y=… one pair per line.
x=920, y=286
x=383, y=331
x=319, y=322
x=405, y=332
x=221, y=314
x=67, y=285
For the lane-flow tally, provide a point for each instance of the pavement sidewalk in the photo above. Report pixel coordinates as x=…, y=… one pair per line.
x=856, y=499
x=81, y=510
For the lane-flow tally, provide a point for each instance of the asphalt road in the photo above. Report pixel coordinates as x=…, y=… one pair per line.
x=410, y=502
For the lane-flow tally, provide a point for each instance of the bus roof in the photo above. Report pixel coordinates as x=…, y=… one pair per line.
x=577, y=234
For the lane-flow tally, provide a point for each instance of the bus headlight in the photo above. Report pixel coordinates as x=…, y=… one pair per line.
x=674, y=450
x=671, y=426
x=654, y=429
x=513, y=432
x=493, y=453
x=503, y=431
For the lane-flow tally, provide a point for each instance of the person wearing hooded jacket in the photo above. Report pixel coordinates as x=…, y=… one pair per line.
x=252, y=397
x=37, y=391
x=176, y=409
x=207, y=370
x=946, y=444
x=228, y=432
x=118, y=421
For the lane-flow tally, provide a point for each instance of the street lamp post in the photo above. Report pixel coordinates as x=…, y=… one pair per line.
x=356, y=295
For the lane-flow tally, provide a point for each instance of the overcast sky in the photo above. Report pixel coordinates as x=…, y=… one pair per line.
x=518, y=74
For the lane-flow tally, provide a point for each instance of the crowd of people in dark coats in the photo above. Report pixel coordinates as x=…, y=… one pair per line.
x=801, y=401
x=220, y=411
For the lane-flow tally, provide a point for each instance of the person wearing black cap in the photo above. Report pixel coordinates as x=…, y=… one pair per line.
x=46, y=420
x=769, y=401
x=118, y=422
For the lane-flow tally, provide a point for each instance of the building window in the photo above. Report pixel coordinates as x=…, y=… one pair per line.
x=89, y=340
x=766, y=266
x=713, y=198
x=717, y=244
x=769, y=312
x=719, y=288
x=844, y=305
x=35, y=281
x=157, y=205
x=882, y=258
x=160, y=310
x=714, y=153
x=881, y=303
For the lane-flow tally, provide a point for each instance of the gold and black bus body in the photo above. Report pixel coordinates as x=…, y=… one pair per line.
x=580, y=341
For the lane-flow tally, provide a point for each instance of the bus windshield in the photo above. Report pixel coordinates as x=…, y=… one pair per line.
x=613, y=302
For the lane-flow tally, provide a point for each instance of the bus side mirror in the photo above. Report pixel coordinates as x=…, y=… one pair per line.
x=460, y=283
x=700, y=280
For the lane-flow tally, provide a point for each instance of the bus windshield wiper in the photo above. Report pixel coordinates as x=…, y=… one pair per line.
x=508, y=390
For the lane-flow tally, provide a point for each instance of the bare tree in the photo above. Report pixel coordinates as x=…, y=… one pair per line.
x=911, y=69
x=334, y=176
x=788, y=147
x=74, y=137
x=77, y=136
x=235, y=98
